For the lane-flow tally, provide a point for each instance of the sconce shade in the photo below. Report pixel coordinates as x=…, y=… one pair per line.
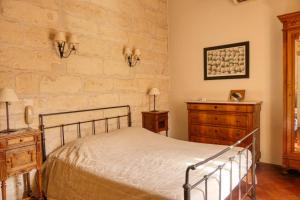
x=73, y=39
x=137, y=52
x=60, y=37
x=8, y=95
x=127, y=51
x=154, y=92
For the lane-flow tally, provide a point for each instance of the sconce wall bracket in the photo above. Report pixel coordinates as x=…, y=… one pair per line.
x=133, y=61
x=132, y=57
x=62, y=52
x=61, y=42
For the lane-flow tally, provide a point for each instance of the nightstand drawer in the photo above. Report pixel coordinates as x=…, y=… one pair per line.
x=162, y=116
x=20, y=140
x=20, y=159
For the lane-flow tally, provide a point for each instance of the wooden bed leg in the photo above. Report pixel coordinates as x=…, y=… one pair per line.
x=252, y=193
x=249, y=177
x=285, y=171
x=39, y=184
x=3, y=189
x=248, y=181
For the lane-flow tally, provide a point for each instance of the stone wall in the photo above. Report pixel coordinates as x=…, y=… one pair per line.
x=98, y=75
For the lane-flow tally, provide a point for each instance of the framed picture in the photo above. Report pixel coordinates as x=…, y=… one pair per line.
x=237, y=95
x=229, y=61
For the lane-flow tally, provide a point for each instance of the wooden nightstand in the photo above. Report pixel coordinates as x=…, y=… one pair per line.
x=156, y=121
x=20, y=152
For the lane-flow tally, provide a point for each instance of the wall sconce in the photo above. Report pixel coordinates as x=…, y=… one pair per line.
x=132, y=57
x=61, y=42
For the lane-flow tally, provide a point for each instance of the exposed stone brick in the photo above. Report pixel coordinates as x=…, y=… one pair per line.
x=28, y=83
x=61, y=84
x=96, y=76
x=98, y=85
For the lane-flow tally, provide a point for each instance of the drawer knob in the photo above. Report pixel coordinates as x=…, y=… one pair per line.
x=21, y=140
x=216, y=118
x=215, y=107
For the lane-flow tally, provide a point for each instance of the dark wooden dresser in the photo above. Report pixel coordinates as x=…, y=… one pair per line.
x=223, y=122
x=20, y=152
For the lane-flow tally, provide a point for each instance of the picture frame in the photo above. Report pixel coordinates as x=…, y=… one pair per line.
x=237, y=95
x=230, y=61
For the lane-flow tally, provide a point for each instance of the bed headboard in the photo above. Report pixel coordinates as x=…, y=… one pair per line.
x=61, y=126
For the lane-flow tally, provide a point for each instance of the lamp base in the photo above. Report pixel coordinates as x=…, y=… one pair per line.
x=8, y=131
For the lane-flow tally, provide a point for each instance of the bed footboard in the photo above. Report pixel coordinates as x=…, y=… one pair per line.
x=249, y=177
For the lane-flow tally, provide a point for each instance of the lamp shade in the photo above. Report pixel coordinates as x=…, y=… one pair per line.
x=8, y=95
x=154, y=91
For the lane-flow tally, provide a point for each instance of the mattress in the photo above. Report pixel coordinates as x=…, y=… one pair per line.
x=135, y=164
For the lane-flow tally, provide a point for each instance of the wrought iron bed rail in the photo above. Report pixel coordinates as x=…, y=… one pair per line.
x=188, y=187
x=79, y=123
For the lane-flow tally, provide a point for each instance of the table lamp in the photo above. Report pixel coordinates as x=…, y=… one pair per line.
x=7, y=96
x=154, y=92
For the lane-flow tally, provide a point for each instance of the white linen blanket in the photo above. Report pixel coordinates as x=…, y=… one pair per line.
x=135, y=164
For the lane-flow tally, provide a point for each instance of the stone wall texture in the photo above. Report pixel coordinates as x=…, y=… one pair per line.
x=97, y=75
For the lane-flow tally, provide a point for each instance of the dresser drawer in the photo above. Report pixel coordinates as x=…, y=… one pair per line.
x=218, y=119
x=20, y=140
x=218, y=133
x=210, y=141
x=220, y=107
x=21, y=159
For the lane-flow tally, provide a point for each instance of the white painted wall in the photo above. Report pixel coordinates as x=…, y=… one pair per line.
x=195, y=24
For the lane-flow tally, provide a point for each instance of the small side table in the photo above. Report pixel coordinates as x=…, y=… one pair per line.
x=20, y=152
x=156, y=121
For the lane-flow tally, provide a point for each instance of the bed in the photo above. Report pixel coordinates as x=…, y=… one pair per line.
x=134, y=163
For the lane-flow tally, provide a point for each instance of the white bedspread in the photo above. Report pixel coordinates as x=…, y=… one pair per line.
x=133, y=163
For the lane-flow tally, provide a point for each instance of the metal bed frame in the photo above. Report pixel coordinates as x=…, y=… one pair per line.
x=188, y=187
x=250, y=192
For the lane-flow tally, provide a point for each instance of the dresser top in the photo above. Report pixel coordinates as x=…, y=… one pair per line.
x=226, y=102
